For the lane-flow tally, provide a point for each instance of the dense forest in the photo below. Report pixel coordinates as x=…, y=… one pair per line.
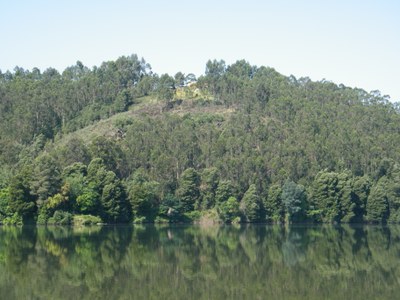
x=119, y=143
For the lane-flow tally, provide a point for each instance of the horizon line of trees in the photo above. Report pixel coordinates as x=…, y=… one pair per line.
x=42, y=194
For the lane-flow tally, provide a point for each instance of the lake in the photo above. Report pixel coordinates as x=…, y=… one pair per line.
x=195, y=262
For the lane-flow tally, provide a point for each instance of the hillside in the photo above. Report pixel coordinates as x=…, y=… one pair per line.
x=240, y=143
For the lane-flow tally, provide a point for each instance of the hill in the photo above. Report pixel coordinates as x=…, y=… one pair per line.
x=240, y=143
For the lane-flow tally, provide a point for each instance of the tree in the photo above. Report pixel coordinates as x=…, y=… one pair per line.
x=46, y=179
x=56, y=205
x=335, y=199
x=4, y=203
x=251, y=205
x=215, y=69
x=76, y=168
x=224, y=190
x=377, y=203
x=115, y=207
x=229, y=210
x=166, y=88
x=143, y=196
x=171, y=208
x=214, y=72
x=190, y=78
x=74, y=177
x=73, y=151
x=88, y=201
x=241, y=69
x=325, y=196
x=262, y=93
x=188, y=189
x=110, y=153
x=350, y=207
x=105, y=194
x=179, y=79
x=122, y=101
x=208, y=187
x=145, y=86
x=294, y=200
x=273, y=205
x=393, y=193
x=22, y=202
x=361, y=190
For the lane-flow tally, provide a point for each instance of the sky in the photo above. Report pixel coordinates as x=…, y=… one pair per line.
x=355, y=43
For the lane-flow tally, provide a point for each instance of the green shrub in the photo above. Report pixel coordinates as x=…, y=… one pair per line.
x=83, y=220
x=43, y=216
x=161, y=220
x=229, y=210
x=139, y=220
x=60, y=218
x=192, y=216
x=15, y=219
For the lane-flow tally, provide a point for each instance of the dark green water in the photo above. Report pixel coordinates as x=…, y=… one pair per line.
x=193, y=262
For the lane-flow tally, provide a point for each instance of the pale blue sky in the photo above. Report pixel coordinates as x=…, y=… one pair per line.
x=356, y=43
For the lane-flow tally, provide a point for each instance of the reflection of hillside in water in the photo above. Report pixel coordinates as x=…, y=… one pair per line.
x=192, y=262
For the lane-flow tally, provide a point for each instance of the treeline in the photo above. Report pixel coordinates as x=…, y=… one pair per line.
x=243, y=143
x=44, y=195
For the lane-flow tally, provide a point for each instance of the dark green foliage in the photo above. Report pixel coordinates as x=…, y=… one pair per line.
x=21, y=200
x=273, y=206
x=83, y=220
x=361, y=189
x=208, y=187
x=179, y=79
x=58, y=202
x=60, y=218
x=114, y=204
x=75, y=169
x=171, y=209
x=393, y=193
x=377, y=204
x=122, y=101
x=73, y=151
x=250, y=205
x=109, y=152
x=46, y=178
x=143, y=196
x=224, y=191
x=350, y=206
x=338, y=197
x=188, y=191
x=100, y=192
x=96, y=171
x=4, y=203
x=165, y=88
x=145, y=86
x=294, y=200
x=384, y=168
x=214, y=72
x=88, y=201
x=229, y=210
x=325, y=196
x=74, y=178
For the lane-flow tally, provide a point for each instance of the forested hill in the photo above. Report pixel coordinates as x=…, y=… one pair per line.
x=120, y=143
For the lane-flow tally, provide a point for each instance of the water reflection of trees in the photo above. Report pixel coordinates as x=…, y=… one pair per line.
x=61, y=262
x=181, y=262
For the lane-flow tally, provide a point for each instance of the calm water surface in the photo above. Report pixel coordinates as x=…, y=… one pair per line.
x=194, y=262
